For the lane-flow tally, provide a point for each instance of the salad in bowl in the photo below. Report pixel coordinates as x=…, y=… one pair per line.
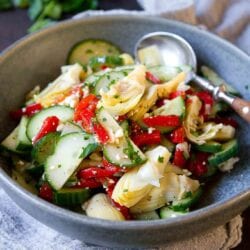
x=117, y=140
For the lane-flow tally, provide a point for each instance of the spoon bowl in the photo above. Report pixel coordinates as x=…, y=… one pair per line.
x=175, y=50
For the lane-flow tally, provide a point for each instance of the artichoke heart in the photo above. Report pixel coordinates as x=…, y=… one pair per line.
x=100, y=207
x=125, y=94
x=147, y=101
x=70, y=76
x=136, y=183
x=172, y=187
x=165, y=89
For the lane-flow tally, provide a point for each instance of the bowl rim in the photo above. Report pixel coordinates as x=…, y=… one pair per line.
x=193, y=216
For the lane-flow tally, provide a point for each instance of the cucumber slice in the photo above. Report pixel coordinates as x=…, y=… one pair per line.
x=64, y=113
x=70, y=150
x=24, y=143
x=229, y=150
x=210, y=147
x=86, y=49
x=44, y=148
x=70, y=127
x=108, y=79
x=172, y=107
x=184, y=204
x=164, y=73
x=125, y=127
x=69, y=197
x=110, y=124
x=10, y=142
x=110, y=61
x=166, y=213
x=152, y=215
x=125, y=154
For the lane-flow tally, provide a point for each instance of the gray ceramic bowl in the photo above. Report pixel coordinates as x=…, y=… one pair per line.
x=37, y=60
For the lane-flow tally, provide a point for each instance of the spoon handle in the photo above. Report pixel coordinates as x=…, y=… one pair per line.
x=240, y=106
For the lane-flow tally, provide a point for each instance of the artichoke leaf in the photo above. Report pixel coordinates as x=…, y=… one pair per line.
x=126, y=93
x=70, y=76
x=166, y=88
x=99, y=206
x=136, y=183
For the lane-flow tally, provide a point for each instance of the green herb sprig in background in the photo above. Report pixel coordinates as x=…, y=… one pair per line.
x=45, y=13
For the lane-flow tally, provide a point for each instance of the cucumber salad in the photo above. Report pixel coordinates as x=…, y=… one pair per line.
x=118, y=140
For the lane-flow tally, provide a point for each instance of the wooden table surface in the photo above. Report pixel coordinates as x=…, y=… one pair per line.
x=13, y=25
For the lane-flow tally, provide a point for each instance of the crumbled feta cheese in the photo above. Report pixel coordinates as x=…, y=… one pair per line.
x=118, y=157
x=119, y=133
x=85, y=91
x=183, y=147
x=229, y=164
x=60, y=127
x=71, y=100
x=150, y=130
x=186, y=172
x=21, y=163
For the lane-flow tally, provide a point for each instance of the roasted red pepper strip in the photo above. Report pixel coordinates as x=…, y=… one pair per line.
x=85, y=111
x=178, y=135
x=147, y=138
x=177, y=93
x=152, y=78
x=122, y=118
x=162, y=120
x=179, y=159
x=198, y=165
x=135, y=128
x=28, y=110
x=205, y=97
x=46, y=192
x=110, y=167
x=207, y=102
x=101, y=133
x=95, y=172
x=89, y=183
x=124, y=210
x=49, y=125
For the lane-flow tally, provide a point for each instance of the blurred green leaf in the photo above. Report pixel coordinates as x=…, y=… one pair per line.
x=78, y=5
x=35, y=9
x=40, y=24
x=5, y=4
x=20, y=3
x=53, y=10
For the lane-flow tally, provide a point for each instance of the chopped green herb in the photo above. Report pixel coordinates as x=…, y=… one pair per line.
x=104, y=119
x=112, y=82
x=116, y=96
x=125, y=190
x=160, y=159
x=59, y=166
x=89, y=51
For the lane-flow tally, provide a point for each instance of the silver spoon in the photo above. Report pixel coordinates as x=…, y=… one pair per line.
x=176, y=51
